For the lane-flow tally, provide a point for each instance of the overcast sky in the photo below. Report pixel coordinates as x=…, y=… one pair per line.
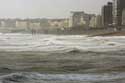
x=47, y=8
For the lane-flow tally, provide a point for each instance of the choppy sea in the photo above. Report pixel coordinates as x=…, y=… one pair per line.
x=17, y=42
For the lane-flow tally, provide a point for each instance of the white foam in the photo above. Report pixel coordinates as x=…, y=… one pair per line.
x=29, y=42
x=64, y=77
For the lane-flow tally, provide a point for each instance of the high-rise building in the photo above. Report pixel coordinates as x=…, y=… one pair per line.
x=79, y=18
x=123, y=17
x=107, y=14
x=96, y=21
x=118, y=7
x=76, y=19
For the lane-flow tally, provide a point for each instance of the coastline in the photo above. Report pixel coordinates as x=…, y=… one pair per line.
x=118, y=33
x=74, y=31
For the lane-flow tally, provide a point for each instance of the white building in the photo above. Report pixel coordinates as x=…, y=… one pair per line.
x=3, y=24
x=93, y=22
x=96, y=22
x=58, y=23
x=79, y=19
x=21, y=24
x=34, y=25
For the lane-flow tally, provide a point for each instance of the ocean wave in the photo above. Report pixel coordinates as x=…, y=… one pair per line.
x=27, y=77
x=73, y=43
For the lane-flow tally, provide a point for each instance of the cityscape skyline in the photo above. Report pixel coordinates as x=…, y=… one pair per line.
x=48, y=8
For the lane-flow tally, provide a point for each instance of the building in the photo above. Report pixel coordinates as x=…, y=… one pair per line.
x=79, y=18
x=76, y=19
x=58, y=23
x=66, y=23
x=44, y=23
x=34, y=25
x=2, y=23
x=96, y=22
x=8, y=23
x=93, y=22
x=22, y=24
x=123, y=17
x=118, y=7
x=107, y=16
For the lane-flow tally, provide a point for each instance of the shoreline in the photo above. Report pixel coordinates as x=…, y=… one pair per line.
x=118, y=33
x=76, y=31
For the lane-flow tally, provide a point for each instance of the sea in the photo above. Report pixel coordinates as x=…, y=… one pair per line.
x=22, y=42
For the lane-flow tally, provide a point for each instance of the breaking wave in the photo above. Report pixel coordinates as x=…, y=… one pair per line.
x=71, y=43
x=37, y=77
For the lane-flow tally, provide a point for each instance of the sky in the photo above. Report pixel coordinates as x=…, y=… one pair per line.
x=47, y=8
